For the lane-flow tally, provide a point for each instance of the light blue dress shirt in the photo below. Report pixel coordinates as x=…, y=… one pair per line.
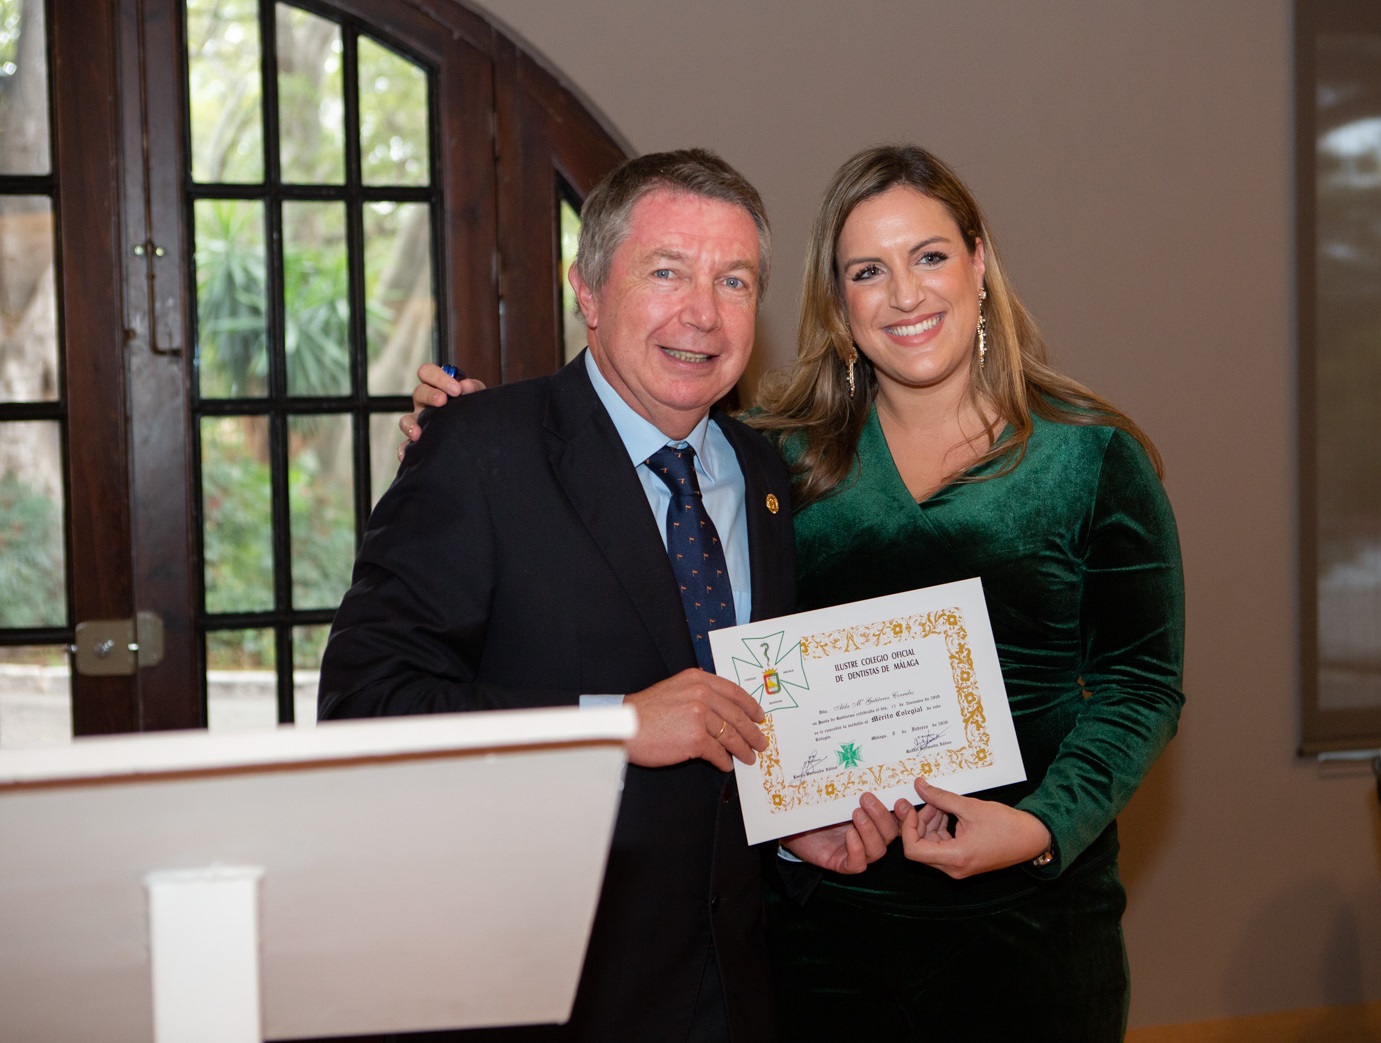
x=717, y=469
x=721, y=489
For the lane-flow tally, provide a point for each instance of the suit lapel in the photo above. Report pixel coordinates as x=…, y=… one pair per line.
x=764, y=525
x=592, y=467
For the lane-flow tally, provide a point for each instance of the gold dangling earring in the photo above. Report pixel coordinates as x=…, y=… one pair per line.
x=853, y=353
x=982, y=328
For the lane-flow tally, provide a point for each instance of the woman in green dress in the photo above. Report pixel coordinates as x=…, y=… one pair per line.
x=931, y=441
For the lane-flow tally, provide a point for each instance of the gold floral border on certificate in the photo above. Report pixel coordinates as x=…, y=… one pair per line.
x=850, y=782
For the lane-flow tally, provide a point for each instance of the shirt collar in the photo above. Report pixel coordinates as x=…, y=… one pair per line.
x=640, y=436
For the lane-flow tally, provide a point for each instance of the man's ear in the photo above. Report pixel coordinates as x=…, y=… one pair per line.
x=584, y=298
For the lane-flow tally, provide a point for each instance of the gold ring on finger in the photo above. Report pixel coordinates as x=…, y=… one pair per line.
x=722, y=726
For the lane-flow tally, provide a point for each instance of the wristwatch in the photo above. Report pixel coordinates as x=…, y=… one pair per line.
x=1044, y=859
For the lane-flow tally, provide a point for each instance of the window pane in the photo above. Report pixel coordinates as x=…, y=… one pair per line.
x=28, y=299
x=23, y=89
x=398, y=285
x=1348, y=370
x=311, y=113
x=241, y=689
x=224, y=90
x=232, y=337
x=572, y=326
x=35, y=696
x=384, y=439
x=393, y=118
x=308, y=644
x=321, y=505
x=316, y=312
x=33, y=577
x=236, y=518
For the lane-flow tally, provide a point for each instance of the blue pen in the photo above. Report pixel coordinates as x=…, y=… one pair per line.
x=454, y=372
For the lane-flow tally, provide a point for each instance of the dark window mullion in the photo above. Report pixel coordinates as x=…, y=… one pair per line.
x=201, y=623
x=359, y=347
x=268, y=72
x=350, y=88
x=283, y=662
x=319, y=192
x=32, y=411
x=260, y=620
x=28, y=636
x=279, y=448
x=300, y=406
x=276, y=401
x=282, y=547
x=397, y=193
x=440, y=324
x=68, y=549
x=28, y=185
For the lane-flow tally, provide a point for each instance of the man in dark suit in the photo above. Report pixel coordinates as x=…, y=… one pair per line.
x=520, y=560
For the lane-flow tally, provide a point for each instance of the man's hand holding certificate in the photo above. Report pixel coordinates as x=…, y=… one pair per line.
x=866, y=697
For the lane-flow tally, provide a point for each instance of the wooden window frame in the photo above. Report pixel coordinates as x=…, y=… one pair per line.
x=126, y=316
x=1324, y=730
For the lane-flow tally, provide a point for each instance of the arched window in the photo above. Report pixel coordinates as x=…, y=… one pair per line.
x=255, y=218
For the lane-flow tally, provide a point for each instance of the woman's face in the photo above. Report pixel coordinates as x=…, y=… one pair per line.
x=910, y=290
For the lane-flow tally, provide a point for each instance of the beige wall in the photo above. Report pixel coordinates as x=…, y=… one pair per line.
x=1135, y=159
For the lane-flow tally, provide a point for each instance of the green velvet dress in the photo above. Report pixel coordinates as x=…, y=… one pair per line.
x=1079, y=558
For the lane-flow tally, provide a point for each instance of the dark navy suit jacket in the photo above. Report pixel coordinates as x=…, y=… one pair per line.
x=514, y=563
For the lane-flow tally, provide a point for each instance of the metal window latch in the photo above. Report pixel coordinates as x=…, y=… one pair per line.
x=115, y=647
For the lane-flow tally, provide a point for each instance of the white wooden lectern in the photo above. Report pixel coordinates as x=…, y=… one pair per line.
x=359, y=877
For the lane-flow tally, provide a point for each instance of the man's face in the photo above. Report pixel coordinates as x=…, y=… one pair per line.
x=672, y=327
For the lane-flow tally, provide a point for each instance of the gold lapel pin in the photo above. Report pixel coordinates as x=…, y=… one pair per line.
x=772, y=504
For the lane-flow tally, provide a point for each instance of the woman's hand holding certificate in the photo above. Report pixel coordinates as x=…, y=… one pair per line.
x=986, y=835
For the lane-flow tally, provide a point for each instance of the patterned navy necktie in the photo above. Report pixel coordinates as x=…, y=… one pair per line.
x=697, y=557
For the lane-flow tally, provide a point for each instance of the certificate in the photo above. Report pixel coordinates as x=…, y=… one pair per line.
x=865, y=697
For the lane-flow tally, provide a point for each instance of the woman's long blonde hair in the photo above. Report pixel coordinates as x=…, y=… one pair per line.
x=812, y=404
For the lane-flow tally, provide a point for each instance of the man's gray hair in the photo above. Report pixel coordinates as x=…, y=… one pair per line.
x=605, y=217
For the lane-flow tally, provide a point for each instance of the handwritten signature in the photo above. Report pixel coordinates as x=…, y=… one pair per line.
x=926, y=740
x=814, y=765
